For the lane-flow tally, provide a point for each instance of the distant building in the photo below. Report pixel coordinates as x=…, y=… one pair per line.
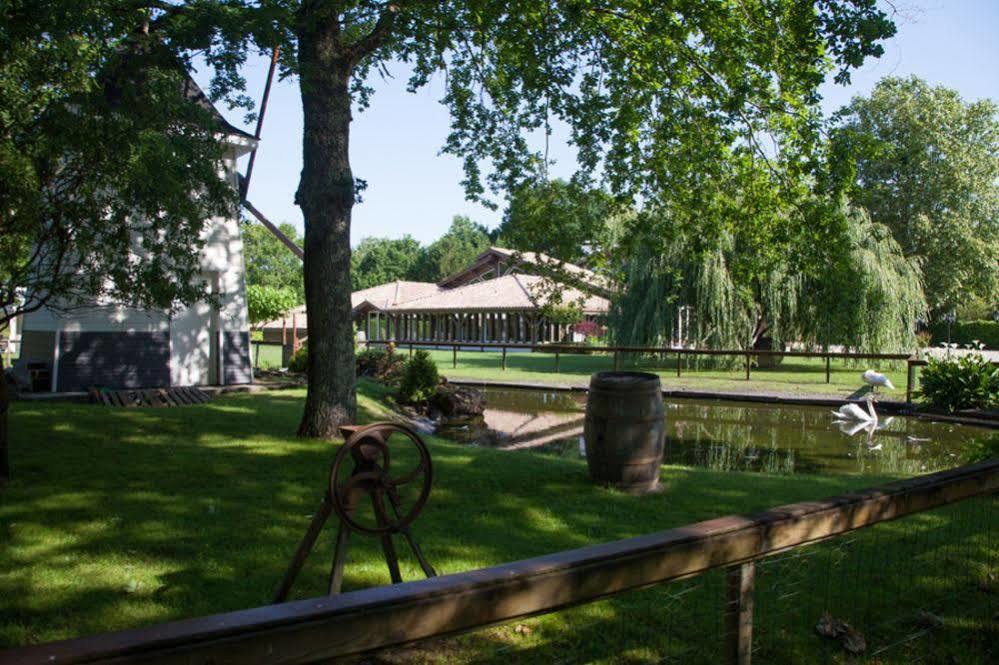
x=499, y=297
x=112, y=345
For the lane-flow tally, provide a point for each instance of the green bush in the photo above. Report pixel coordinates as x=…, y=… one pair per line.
x=982, y=448
x=420, y=378
x=300, y=360
x=383, y=364
x=964, y=382
x=966, y=332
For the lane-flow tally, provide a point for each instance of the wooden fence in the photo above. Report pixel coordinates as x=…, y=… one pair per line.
x=362, y=621
x=664, y=352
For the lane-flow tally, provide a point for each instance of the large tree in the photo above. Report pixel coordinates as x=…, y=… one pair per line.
x=925, y=163
x=379, y=260
x=651, y=90
x=454, y=250
x=566, y=220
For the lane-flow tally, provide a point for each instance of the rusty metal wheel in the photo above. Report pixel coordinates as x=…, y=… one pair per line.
x=372, y=450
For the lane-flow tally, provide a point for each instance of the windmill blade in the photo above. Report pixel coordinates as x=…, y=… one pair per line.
x=288, y=242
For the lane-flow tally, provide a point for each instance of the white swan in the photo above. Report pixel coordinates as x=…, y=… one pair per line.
x=851, y=411
x=876, y=380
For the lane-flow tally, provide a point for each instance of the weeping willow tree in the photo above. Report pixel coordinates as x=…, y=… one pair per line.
x=858, y=289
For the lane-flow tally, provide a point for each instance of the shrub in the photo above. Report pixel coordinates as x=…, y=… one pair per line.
x=965, y=382
x=300, y=360
x=383, y=364
x=420, y=378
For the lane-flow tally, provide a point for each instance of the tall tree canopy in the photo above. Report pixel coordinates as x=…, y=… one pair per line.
x=268, y=261
x=379, y=260
x=562, y=219
x=454, y=250
x=653, y=93
x=925, y=164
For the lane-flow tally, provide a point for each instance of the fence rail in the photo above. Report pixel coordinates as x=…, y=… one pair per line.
x=664, y=351
x=362, y=621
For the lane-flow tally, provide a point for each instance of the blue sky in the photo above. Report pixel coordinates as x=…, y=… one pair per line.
x=413, y=189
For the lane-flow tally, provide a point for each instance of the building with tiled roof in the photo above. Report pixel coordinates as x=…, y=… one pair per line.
x=499, y=297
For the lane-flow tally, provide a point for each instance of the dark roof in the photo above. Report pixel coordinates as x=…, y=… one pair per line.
x=194, y=92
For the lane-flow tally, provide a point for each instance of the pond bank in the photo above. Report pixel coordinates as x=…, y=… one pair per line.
x=979, y=418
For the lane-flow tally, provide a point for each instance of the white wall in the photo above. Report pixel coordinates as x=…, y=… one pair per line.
x=191, y=328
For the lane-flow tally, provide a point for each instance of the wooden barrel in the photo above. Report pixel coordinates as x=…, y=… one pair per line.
x=625, y=429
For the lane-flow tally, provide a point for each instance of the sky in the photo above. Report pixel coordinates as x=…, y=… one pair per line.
x=413, y=189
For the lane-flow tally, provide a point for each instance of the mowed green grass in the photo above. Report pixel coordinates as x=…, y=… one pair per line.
x=794, y=376
x=119, y=518
x=266, y=356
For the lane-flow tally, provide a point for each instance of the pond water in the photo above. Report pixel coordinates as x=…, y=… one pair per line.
x=727, y=435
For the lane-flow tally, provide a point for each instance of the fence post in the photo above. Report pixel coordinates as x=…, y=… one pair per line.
x=827, y=370
x=910, y=377
x=616, y=362
x=739, y=583
x=410, y=350
x=504, y=358
x=454, y=359
x=679, y=357
x=556, y=362
x=748, y=359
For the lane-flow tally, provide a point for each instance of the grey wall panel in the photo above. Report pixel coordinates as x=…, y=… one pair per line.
x=114, y=360
x=37, y=346
x=236, y=347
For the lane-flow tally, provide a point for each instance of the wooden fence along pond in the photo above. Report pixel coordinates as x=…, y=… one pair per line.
x=664, y=352
x=362, y=621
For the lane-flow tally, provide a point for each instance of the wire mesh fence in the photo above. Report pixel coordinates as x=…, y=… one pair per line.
x=922, y=589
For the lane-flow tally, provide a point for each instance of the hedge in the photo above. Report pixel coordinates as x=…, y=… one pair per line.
x=963, y=332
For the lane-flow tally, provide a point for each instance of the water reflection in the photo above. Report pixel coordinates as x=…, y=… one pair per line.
x=740, y=436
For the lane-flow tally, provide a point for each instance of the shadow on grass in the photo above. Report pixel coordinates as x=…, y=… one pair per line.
x=118, y=518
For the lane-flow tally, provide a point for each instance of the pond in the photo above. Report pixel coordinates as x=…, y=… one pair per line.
x=726, y=435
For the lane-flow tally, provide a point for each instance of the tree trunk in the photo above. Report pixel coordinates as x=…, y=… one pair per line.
x=4, y=406
x=326, y=197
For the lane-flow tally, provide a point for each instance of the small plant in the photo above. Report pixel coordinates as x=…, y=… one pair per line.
x=299, y=360
x=982, y=448
x=953, y=383
x=383, y=364
x=420, y=379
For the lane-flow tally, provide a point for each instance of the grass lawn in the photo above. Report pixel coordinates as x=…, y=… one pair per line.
x=794, y=377
x=266, y=356
x=118, y=518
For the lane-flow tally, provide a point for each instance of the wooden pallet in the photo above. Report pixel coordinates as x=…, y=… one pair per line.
x=155, y=397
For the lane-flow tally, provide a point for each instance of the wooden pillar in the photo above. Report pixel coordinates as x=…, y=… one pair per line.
x=739, y=583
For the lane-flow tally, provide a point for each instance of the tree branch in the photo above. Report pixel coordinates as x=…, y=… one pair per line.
x=383, y=27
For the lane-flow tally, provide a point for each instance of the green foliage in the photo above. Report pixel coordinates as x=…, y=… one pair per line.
x=269, y=263
x=300, y=360
x=562, y=219
x=381, y=363
x=379, y=260
x=982, y=448
x=266, y=303
x=968, y=332
x=562, y=314
x=857, y=289
x=109, y=170
x=964, y=382
x=420, y=378
x=453, y=251
x=925, y=164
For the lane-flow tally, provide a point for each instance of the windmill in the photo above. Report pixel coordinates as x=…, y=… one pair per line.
x=244, y=181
